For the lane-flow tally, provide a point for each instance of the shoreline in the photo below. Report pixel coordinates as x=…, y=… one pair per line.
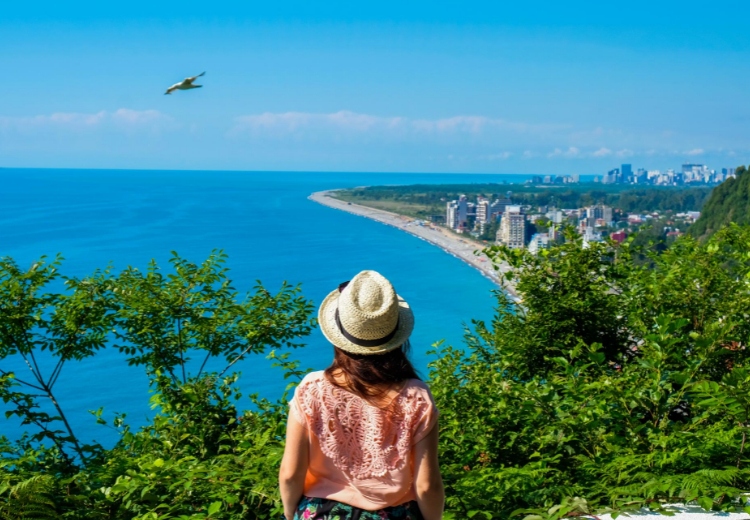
x=438, y=236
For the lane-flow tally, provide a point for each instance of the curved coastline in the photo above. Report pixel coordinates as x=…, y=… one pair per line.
x=440, y=237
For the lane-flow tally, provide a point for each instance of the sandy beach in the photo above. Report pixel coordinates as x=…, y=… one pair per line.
x=449, y=242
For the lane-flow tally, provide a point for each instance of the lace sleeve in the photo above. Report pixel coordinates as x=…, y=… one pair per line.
x=295, y=412
x=428, y=419
x=296, y=408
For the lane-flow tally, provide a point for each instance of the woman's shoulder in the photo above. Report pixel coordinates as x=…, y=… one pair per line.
x=417, y=383
x=311, y=377
x=418, y=388
x=311, y=382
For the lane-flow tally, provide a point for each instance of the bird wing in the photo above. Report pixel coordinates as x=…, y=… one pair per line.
x=193, y=78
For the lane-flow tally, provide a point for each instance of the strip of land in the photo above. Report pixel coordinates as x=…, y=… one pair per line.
x=451, y=243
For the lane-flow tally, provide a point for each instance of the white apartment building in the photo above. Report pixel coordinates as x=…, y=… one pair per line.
x=456, y=212
x=556, y=216
x=483, y=210
x=538, y=242
x=593, y=216
x=512, y=232
x=451, y=214
x=589, y=236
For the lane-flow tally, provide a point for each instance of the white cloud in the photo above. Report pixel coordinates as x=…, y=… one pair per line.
x=76, y=121
x=501, y=156
x=602, y=152
x=300, y=122
x=624, y=153
x=293, y=121
x=695, y=151
x=139, y=117
x=570, y=153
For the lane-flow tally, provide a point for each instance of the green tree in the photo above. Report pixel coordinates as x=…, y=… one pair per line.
x=199, y=457
x=610, y=384
x=729, y=202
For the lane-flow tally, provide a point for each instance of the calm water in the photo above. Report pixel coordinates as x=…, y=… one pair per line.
x=269, y=229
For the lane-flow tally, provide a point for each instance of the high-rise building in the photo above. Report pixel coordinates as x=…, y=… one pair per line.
x=611, y=177
x=498, y=206
x=555, y=216
x=512, y=232
x=538, y=242
x=589, y=235
x=451, y=214
x=690, y=168
x=627, y=173
x=456, y=213
x=463, y=210
x=483, y=210
x=596, y=215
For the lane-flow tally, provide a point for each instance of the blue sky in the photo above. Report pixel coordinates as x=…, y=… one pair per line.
x=496, y=87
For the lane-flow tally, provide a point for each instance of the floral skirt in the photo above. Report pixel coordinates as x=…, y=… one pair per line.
x=311, y=508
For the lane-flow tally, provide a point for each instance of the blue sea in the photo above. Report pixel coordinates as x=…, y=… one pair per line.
x=271, y=232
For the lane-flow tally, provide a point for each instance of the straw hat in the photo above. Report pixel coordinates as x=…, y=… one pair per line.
x=366, y=316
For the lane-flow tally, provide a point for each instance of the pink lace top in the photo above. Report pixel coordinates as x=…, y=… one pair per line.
x=360, y=454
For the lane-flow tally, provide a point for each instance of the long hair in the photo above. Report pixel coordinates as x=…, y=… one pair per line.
x=371, y=376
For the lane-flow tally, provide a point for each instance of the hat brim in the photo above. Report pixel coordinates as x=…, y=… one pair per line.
x=327, y=321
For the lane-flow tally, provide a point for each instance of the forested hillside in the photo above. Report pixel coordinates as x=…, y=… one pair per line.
x=729, y=202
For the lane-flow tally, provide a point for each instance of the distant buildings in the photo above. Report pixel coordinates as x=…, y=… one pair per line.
x=627, y=173
x=512, y=232
x=595, y=216
x=515, y=223
x=499, y=205
x=590, y=235
x=456, y=213
x=555, y=179
x=451, y=215
x=538, y=242
x=483, y=210
x=689, y=174
x=462, y=215
x=612, y=177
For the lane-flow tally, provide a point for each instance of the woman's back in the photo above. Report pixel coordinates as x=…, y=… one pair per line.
x=361, y=453
x=362, y=436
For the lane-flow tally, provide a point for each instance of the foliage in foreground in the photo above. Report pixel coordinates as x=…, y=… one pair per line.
x=198, y=457
x=611, y=386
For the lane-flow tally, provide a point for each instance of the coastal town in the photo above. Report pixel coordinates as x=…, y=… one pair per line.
x=538, y=227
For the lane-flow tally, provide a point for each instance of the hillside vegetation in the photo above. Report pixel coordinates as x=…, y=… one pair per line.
x=614, y=385
x=729, y=202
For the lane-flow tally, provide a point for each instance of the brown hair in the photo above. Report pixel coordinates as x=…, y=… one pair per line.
x=371, y=376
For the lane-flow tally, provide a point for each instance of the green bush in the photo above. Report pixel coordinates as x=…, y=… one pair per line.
x=199, y=457
x=612, y=385
x=609, y=386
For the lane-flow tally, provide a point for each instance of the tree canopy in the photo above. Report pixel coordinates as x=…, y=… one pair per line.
x=612, y=385
x=729, y=202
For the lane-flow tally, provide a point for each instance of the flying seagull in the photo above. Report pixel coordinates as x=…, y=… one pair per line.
x=185, y=84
